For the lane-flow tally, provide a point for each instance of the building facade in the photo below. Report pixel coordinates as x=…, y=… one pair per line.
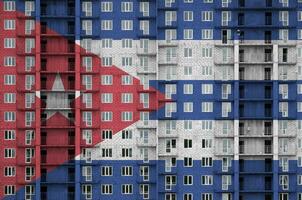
x=151, y=99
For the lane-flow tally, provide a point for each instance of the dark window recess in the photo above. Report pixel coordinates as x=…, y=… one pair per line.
x=241, y=3
x=268, y=110
x=43, y=156
x=241, y=91
x=70, y=27
x=241, y=147
x=43, y=192
x=241, y=183
x=269, y=3
x=71, y=193
x=268, y=146
x=268, y=55
x=71, y=174
x=241, y=55
x=71, y=64
x=267, y=92
x=241, y=19
x=71, y=82
x=43, y=8
x=267, y=74
x=268, y=182
x=241, y=165
x=241, y=73
x=43, y=46
x=43, y=138
x=268, y=37
x=71, y=8
x=71, y=46
x=284, y=54
x=267, y=128
x=71, y=137
x=43, y=27
x=241, y=110
x=71, y=155
x=241, y=128
x=43, y=83
x=43, y=64
x=241, y=36
x=225, y=36
x=268, y=18
x=268, y=165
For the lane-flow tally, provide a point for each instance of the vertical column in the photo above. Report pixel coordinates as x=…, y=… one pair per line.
x=77, y=100
x=236, y=119
x=275, y=121
x=38, y=104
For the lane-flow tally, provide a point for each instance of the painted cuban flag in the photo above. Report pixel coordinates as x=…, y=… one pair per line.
x=150, y=99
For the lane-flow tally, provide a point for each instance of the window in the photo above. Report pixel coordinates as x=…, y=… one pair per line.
x=106, y=171
x=208, y=196
x=207, y=15
x=87, y=63
x=87, y=118
x=9, y=189
x=207, y=107
x=188, y=88
x=127, y=25
x=9, y=97
x=87, y=99
x=9, y=79
x=127, y=98
x=299, y=106
x=9, y=116
x=87, y=136
x=188, y=70
x=188, y=15
x=225, y=18
x=299, y=179
x=29, y=118
x=283, y=108
x=9, y=135
x=207, y=89
x=283, y=17
x=29, y=26
x=126, y=171
x=127, y=116
x=127, y=7
x=106, y=61
x=9, y=43
x=170, y=181
x=126, y=43
x=126, y=80
x=226, y=182
x=106, y=152
x=144, y=26
x=226, y=108
x=206, y=52
x=206, y=125
x=9, y=24
x=206, y=180
x=206, y=162
x=107, y=79
x=29, y=45
x=207, y=34
x=206, y=70
x=284, y=181
x=87, y=8
x=106, y=116
x=87, y=173
x=106, y=6
x=144, y=8
x=299, y=15
x=188, y=180
x=106, y=134
x=29, y=62
x=107, y=98
x=188, y=106
x=126, y=61
x=87, y=191
x=208, y=1
x=170, y=17
x=188, y=143
x=144, y=172
x=107, y=25
x=107, y=189
x=299, y=88
x=188, y=34
x=188, y=162
x=127, y=189
x=9, y=61
x=188, y=124
x=283, y=35
x=206, y=143
x=9, y=171
x=9, y=5
x=127, y=134
x=188, y=52
x=106, y=43
x=9, y=153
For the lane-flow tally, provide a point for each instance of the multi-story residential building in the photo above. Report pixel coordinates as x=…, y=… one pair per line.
x=151, y=99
